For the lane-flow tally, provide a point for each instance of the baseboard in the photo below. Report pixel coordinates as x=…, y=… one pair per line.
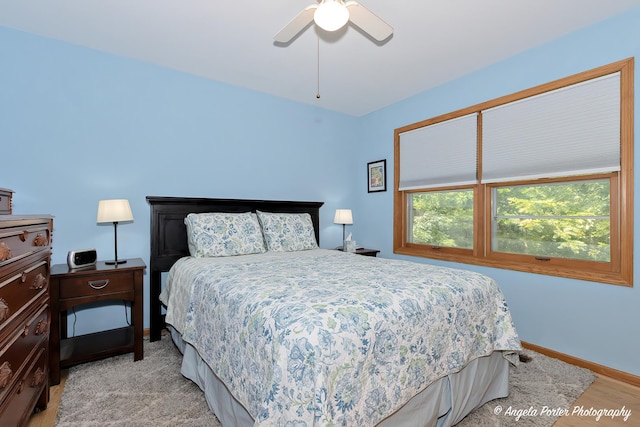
x=615, y=374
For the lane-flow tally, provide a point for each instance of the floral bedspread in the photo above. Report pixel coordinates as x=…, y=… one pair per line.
x=323, y=337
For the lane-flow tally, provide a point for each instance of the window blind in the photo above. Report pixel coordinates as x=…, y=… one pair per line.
x=570, y=131
x=442, y=154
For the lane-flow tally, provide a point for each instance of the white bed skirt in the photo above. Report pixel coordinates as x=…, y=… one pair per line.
x=444, y=403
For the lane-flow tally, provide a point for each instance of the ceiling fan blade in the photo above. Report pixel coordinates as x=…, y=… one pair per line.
x=297, y=24
x=368, y=22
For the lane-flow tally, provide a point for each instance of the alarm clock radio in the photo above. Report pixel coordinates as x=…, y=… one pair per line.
x=82, y=258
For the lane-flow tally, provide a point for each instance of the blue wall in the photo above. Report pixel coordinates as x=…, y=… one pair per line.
x=592, y=321
x=77, y=126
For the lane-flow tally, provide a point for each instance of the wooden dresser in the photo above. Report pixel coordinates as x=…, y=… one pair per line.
x=5, y=201
x=25, y=253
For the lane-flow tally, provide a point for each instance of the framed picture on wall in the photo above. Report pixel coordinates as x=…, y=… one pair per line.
x=377, y=176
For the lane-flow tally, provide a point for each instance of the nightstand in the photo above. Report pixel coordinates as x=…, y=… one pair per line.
x=72, y=287
x=365, y=251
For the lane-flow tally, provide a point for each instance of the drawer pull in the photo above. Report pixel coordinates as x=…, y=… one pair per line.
x=5, y=252
x=38, y=377
x=4, y=310
x=39, y=281
x=40, y=240
x=25, y=332
x=99, y=284
x=23, y=236
x=41, y=327
x=5, y=374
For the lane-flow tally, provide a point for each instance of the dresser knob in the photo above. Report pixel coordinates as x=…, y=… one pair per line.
x=39, y=281
x=5, y=374
x=23, y=236
x=40, y=240
x=4, y=310
x=25, y=332
x=41, y=327
x=5, y=252
x=38, y=377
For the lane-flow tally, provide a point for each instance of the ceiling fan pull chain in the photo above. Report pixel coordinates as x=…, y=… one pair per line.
x=318, y=93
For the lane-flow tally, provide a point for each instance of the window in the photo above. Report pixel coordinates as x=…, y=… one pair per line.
x=553, y=220
x=442, y=218
x=538, y=181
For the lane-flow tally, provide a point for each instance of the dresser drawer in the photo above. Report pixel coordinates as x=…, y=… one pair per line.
x=16, y=409
x=96, y=285
x=19, y=289
x=23, y=240
x=14, y=356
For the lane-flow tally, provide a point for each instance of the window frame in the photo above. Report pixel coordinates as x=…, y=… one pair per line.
x=619, y=271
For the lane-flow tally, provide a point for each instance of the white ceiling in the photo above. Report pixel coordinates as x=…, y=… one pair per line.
x=434, y=41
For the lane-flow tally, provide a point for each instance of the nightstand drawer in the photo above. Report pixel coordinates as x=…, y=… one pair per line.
x=87, y=286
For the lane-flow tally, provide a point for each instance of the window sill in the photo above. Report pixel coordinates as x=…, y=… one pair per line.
x=613, y=278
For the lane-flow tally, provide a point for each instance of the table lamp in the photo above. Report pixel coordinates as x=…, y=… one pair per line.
x=344, y=217
x=115, y=211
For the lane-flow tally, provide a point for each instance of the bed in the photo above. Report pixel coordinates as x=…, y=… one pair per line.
x=301, y=336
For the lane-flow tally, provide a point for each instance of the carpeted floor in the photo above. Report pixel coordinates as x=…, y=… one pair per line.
x=152, y=392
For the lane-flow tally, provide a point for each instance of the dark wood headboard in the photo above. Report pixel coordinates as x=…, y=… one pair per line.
x=169, y=235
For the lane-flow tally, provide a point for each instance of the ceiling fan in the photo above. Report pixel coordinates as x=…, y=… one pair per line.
x=331, y=15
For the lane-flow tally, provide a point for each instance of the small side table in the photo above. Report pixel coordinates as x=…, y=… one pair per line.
x=365, y=251
x=102, y=282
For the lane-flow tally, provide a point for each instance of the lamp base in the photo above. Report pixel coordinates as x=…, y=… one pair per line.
x=112, y=262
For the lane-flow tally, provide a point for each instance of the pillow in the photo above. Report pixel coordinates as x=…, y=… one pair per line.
x=287, y=232
x=219, y=234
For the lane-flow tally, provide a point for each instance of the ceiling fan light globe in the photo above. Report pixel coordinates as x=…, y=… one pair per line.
x=331, y=15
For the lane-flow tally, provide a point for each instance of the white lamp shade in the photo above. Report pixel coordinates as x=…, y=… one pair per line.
x=114, y=210
x=331, y=15
x=343, y=216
